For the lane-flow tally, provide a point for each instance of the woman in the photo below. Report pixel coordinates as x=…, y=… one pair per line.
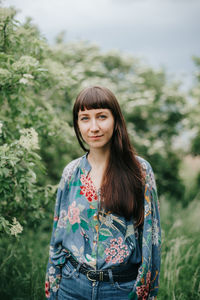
x=106, y=237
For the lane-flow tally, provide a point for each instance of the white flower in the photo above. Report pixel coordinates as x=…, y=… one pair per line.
x=55, y=288
x=29, y=138
x=144, y=166
x=51, y=279
x=23, y=80
x=16, y=227
x=29, y=76
x=62, y=219
x=25, y=63
x=52, y=270
x=109, y=220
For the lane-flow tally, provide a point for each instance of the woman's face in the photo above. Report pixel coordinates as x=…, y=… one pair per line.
x=96, y=127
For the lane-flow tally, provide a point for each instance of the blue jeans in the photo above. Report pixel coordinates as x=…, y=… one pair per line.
x=75, y=285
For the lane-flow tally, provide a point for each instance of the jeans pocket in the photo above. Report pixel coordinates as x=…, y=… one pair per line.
x=125, y=286
x=68, y=270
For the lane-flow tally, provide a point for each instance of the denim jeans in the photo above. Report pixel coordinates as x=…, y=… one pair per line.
x=75, y=285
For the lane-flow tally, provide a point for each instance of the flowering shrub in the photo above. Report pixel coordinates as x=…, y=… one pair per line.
x=38, y=85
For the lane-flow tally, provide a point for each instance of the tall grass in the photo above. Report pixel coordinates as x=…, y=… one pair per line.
x=180, y=272
x=22, y=266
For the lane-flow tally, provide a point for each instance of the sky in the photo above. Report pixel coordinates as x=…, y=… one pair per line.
x=164, y=33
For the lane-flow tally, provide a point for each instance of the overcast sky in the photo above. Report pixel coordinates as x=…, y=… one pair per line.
x=163, y=32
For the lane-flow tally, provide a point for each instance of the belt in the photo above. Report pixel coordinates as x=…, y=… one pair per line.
x=124, y=273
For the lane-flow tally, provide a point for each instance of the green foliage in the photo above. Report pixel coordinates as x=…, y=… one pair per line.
x=18, y=192
x=25, y=113
x=195, y=110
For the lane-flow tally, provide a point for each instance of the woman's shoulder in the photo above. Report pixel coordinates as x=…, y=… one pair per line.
x=148, y=172
x=71, y=167
x=146, y=166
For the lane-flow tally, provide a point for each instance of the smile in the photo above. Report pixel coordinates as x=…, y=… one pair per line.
x=95, y=137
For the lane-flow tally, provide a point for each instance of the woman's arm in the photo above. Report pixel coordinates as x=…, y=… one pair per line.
x=53, y=274
x=147, y=282
x=56, y=255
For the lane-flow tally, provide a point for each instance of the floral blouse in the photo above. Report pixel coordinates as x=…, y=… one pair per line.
x=102, y=239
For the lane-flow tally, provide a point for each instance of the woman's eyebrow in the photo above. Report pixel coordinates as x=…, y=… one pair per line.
x=83, y=114
x=98, y=113
x=102, y=112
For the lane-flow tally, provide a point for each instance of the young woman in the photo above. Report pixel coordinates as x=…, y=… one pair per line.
x=106, y=236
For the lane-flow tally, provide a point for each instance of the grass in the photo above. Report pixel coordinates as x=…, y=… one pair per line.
x=180, y=272
x=23, y=264
x=180, y=269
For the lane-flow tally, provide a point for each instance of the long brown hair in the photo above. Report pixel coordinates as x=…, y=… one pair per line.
x=122, y=183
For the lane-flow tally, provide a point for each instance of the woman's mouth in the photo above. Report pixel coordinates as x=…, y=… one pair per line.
x=95, y=137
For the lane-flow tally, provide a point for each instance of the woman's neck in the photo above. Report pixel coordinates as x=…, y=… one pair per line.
x=98, y=161
x=98, y=158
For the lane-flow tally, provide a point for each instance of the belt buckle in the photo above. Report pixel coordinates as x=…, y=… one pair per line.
x=88, y=276
x=100, y=275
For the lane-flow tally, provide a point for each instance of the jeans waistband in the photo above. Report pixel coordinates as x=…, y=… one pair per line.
x=123, y=273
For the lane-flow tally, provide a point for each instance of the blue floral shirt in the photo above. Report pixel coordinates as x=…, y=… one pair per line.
x=102, y=239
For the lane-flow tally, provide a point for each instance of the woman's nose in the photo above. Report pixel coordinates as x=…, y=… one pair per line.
x=94, y=125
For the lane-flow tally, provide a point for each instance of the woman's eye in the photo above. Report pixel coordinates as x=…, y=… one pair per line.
x=84, y=118
x=102, y=117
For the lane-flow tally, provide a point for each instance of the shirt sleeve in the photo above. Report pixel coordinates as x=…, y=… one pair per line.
x=56, y=253
x=156, y=239
x=53, y=274
x=147, y=281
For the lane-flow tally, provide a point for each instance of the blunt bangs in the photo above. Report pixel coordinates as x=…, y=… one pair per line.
x=92, y=98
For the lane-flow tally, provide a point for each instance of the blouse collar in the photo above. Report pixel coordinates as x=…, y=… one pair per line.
x=85, y=165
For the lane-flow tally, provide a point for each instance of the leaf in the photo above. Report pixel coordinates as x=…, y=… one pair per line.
x=90, y=212
x=149, y=222
x=81, y=250
x=76, y=183
x=75, y=250
x=84, y=225
x=68, y=227
x=101, y=250
x=93, y=223
x=75, y=227
x=102, y=237
x=78, y=193
x=105, y=231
